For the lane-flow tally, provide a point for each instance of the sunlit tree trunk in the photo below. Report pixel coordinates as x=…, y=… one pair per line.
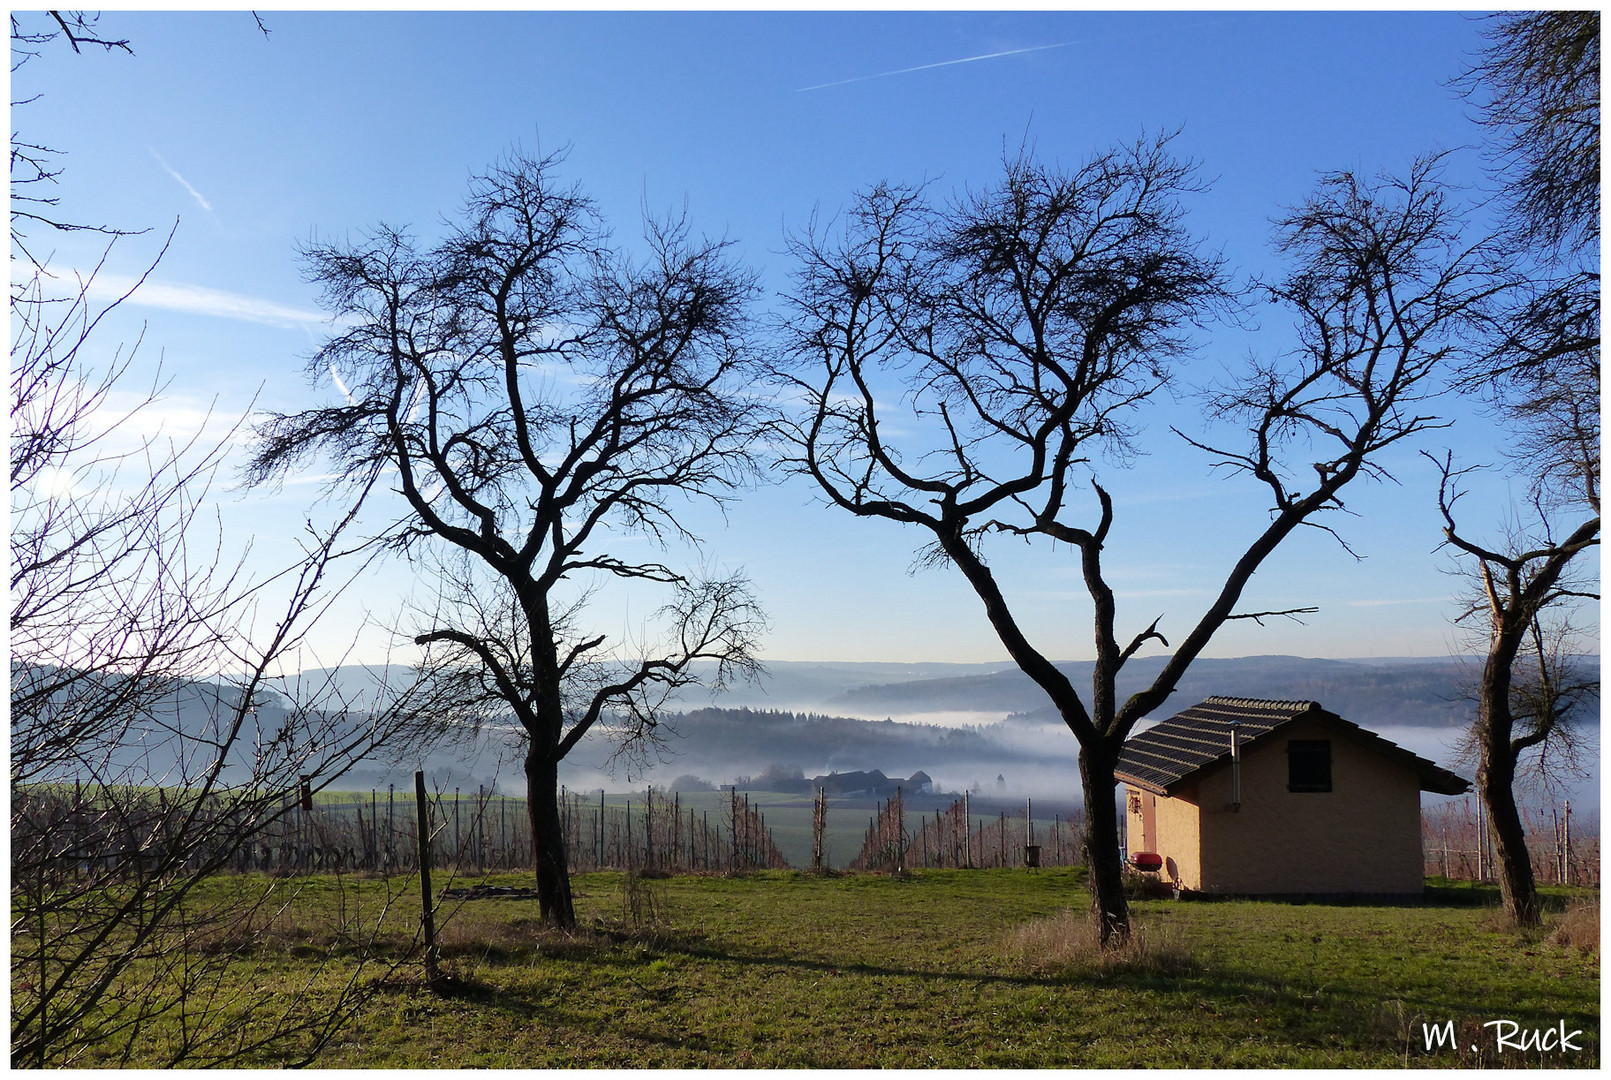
x=548, y=840
x=1108, y=905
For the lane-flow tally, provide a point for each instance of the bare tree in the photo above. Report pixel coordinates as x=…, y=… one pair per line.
x=968, y=368
x=140, y=766
x=536, y=399
x=1537, y=90
x=1532, y=689
x=1537, y=93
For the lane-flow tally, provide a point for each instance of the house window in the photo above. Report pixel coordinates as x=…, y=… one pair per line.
x=1309, y=765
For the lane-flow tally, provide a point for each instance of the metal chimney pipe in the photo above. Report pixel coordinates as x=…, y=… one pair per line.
x=1236, y=765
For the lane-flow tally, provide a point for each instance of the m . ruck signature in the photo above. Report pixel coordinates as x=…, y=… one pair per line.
x=1508, y=1035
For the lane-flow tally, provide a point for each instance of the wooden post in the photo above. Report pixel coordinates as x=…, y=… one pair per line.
x=427, y=914
x=648, y=826
x=819, y=828
x=967, y=827
x=1566, y=843
x=480, y=846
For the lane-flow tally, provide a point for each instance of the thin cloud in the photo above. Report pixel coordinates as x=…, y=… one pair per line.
x=194, y=194
x=939, y=64
x=200, y=300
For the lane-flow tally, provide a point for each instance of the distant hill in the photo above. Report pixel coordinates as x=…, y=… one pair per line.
x=728, y=741
x=806, y=684
x=962, y=724
x=1415, y=693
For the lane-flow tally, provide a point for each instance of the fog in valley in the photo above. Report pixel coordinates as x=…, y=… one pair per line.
x=983, y=728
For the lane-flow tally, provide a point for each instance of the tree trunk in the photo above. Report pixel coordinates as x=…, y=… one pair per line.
x=548, y=841
x=1496, y=779
x=1108, y=905
x=1496, y=783
x=1515, y=870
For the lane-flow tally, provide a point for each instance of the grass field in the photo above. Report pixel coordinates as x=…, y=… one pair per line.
x=783, y=969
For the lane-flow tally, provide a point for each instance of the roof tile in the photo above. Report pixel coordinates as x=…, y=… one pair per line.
x=1179, y=750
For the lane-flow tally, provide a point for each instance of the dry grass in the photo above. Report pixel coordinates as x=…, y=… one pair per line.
x=1579, y=927
x=1069, y=944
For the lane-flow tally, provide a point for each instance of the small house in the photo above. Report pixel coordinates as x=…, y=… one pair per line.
x=1246, y=797
x=871, y=785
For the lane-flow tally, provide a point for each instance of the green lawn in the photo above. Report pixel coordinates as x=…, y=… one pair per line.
x=783, y=969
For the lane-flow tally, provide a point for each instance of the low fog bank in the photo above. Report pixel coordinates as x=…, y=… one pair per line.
x=975, y=727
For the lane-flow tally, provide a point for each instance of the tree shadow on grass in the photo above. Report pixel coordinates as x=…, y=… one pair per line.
x=1307, y=1011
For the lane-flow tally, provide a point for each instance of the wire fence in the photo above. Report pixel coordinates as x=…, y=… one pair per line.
x=72, y=834
x=1455, y=844
x=958, y=839
x=473, y=832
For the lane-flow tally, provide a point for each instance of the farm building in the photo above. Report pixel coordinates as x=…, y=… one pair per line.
x=872, y=784
x=1247, y=797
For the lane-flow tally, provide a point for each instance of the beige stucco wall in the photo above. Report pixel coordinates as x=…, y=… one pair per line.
x=1172, y=834
x=1362, y=836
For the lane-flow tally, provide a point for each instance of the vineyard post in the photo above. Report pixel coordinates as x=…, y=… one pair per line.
x=898, y=819
x=458, y=844
x=391, y=823
x=819, y=820
x=967, y=827
x=422, y=827
x=1566, y=844
x=648, y=827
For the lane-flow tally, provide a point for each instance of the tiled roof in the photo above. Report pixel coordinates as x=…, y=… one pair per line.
x=1178, y=751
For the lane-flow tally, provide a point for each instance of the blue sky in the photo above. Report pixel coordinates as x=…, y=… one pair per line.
x=339, y=121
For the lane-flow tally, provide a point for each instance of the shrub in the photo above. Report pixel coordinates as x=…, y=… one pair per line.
x=1139, y=886
x=1579, y=927
x=643, y=904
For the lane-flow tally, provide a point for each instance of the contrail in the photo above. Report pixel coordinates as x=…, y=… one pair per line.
x=205, y=205
x=1014, y=52
x=940, y=64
